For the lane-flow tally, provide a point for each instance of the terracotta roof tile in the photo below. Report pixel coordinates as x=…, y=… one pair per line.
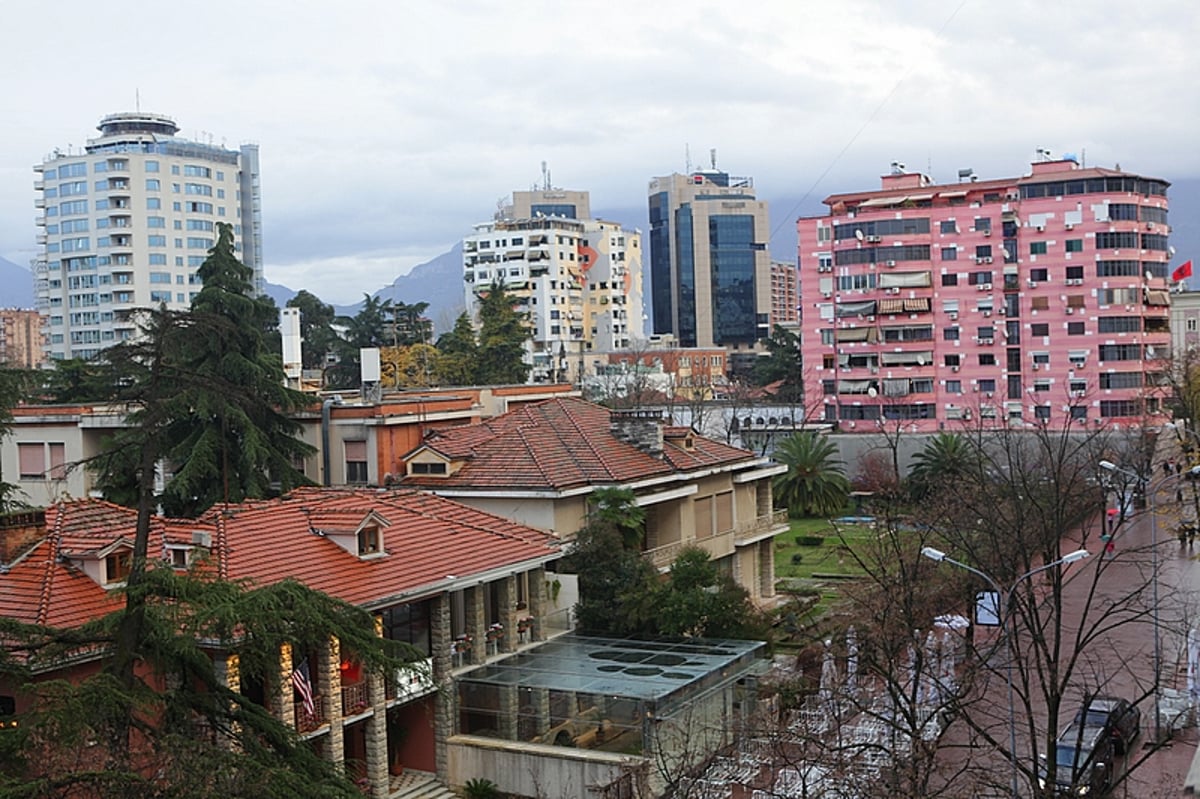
x=559, y=444
x=426, y=539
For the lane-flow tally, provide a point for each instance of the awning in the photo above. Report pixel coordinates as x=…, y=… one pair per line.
x=895, y=387
x=952, y=194
x=916, y=304
x=920, y=197
x=1158, y=297
x=889, y=280
x=857, y=334
x=916, y=358
x=853, y=386
x=866, y=308
x=891, y=306
x=876, y=202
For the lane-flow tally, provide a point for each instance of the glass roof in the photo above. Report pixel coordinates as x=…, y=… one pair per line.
x=646, y=669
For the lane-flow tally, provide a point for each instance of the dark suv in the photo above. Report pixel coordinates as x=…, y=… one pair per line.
x=1083, y=759
x=1120, y=720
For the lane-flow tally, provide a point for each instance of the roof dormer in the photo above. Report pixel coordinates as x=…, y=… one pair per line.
x=426, y=462
x=108, y=566
x=359, y=533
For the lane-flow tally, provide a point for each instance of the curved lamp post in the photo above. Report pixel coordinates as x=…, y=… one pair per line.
x=1152, y=490
x=1006, y=614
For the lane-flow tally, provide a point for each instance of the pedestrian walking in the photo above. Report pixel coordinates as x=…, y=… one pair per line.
x=1191, y=535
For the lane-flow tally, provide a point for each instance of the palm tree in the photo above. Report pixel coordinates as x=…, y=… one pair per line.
x=944, y=457
x=815, y=483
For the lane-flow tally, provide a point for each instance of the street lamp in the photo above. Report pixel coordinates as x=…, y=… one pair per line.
x=1153, y=490
x=1071, y=557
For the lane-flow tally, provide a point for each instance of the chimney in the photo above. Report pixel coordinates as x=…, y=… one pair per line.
x=19, y=532
x=641, y=428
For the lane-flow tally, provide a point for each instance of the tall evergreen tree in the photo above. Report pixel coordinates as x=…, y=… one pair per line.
x=230, y=436
x=460, y=354
x=502, y=337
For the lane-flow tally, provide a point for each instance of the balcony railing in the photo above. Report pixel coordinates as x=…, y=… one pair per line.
x=417, y=680
x=307, y=722
x=721, y=544
x=355, y=698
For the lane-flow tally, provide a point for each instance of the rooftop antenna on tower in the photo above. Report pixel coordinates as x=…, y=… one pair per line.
x=712, y=157
x=137, y=100
x=545, y=177
x=687, y=158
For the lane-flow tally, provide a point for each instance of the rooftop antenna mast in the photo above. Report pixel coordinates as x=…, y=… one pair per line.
x=137, y=100
x=712, y=157
x=545, y=177
x=687, y=158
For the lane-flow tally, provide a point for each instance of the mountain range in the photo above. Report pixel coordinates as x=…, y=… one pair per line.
x=439, y=281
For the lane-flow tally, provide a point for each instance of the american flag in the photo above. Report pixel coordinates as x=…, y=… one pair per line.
x=303, y=686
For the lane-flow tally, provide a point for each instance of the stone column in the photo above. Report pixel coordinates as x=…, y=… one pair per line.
x=376, y=729
x=476, y=626
x=228, y=672
x=541, y=710
x=508, y=712
x=329, y=686
x=445, y=701
x=539, y=606
x=766, y=567
x=282, y=701
x=508, y=613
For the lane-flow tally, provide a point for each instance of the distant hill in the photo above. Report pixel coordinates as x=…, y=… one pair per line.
x=437, y=282
x=16, y=285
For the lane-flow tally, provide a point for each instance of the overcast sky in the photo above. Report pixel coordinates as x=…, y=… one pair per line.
x=388, y=128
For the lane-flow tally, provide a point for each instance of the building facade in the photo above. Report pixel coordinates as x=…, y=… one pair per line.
x=578, y=279
x=710, y=272
x=785, y=295
x=126, y=222
x=1041, y=299
x=21, y=338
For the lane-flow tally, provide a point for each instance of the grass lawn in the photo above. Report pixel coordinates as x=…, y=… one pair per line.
x=814, y=566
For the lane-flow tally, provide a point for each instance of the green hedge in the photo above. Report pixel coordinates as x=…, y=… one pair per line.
x=810, y=540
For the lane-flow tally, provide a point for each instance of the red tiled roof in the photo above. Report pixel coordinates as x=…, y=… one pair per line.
x=560, y=444
x=426, y=540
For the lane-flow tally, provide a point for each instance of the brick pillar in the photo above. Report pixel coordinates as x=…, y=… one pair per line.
x=282, y=701
x=228, y=672
x=508, y=613
x=376, y=729
x=445, y=701
x=329, y=686
x=475, y=621
x=508, y=712
x=538, y=605
x=541, y=711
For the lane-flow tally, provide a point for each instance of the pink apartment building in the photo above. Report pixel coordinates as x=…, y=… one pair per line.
x=1034, y=300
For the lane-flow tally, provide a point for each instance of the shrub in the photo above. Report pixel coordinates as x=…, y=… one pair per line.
x=810, y=540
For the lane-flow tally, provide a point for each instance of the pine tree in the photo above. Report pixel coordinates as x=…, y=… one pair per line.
x=228, y=432
x=502, y=337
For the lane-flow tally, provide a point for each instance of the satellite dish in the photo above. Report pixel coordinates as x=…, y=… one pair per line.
x=1171, y=251
x=920, y=360
x=858, y=234
x=1005, y=253
x=1149, y=276
x=871, y=392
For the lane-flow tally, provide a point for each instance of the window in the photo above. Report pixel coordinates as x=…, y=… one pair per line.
x=1037, y=248
x=987, y=359
x=983, y=224
x=33, y=459
x=1039, y=275
x=953, y=386
x=369, y=540
x=1041, y=358
x=983, y=251
x=153, y=184
x=1075, y=328
x=1074, y=245
x=356, y=462
x=1039, y=304
x=950, y=333
x=987, y=385
x=952, y=360
x=153, y=203
x=435, y=467
x=156, y=221
x=1039, y=329
x=1042, y=413
x=117, y=566
x=151, y=166
x=948, y=226
x=949, y=253
x=950, y=279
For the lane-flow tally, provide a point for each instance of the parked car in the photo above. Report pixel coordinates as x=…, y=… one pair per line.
x=1083, y=758
x=1120, y=720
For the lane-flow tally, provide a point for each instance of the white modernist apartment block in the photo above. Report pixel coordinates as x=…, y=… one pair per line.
x=125, y=223
x=578, y=279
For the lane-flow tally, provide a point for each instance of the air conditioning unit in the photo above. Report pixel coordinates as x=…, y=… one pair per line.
x=1041, y=228
x=986, y=341
x=874, y=239
x=1069, y=226
x=895, y=290
x=953, y=316
x=826, y=294
x=953, y=368
x=889, y=263
x=987, y=233
x=987, y=313
x=1032, y=283
x=1149, y=226
x=1002, y=310
x=1036, y=367
x=1070, y=310
x=987, y=259
x=874, y=370
x=1078, y=393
